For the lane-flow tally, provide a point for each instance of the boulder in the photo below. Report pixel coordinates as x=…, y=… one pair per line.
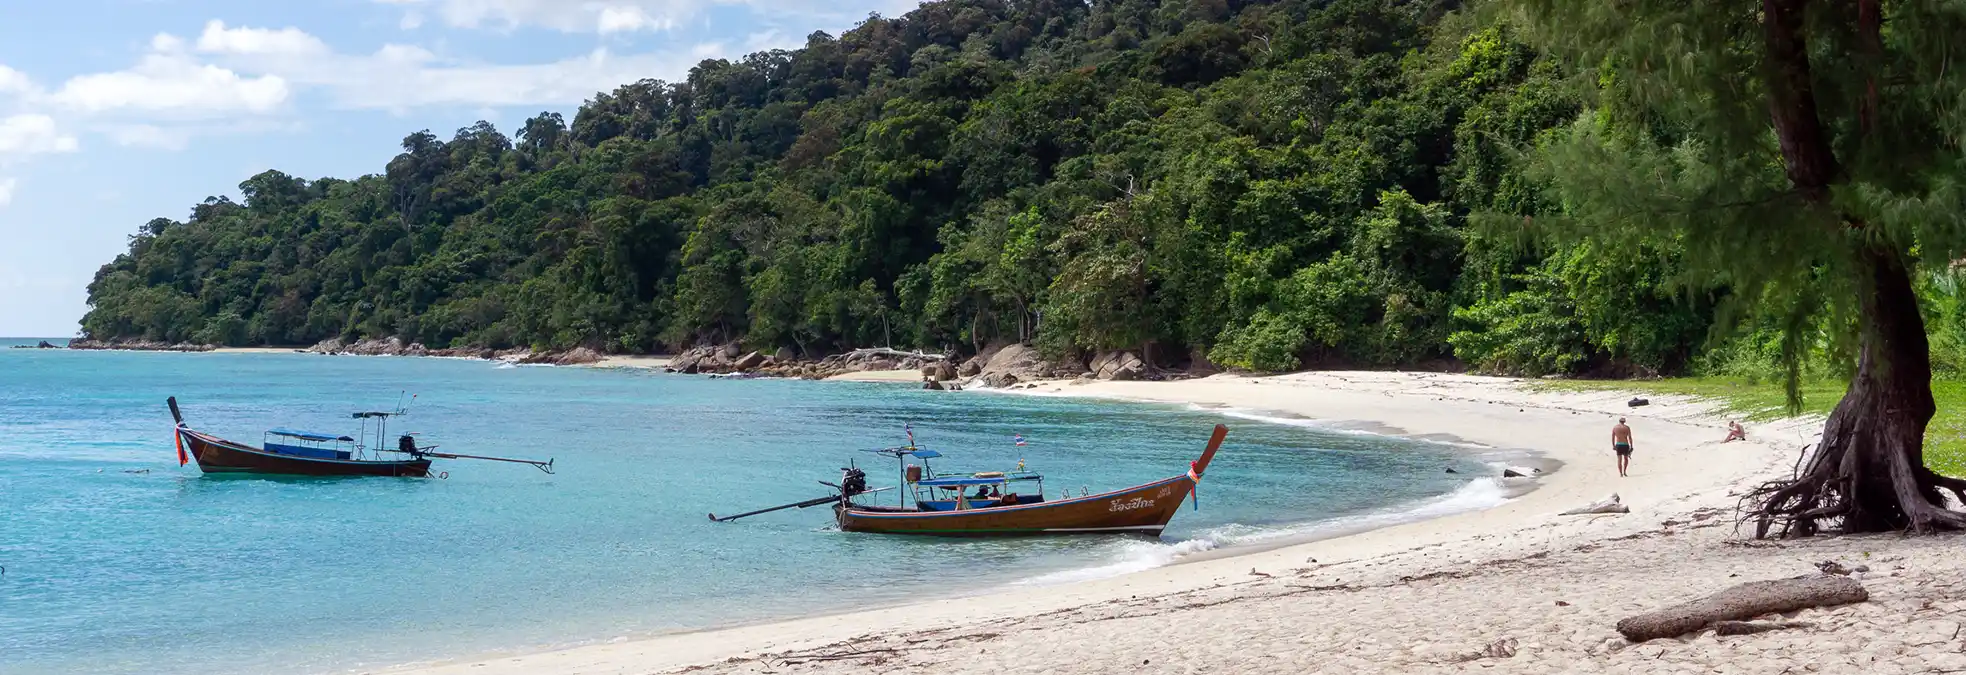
x=416, y=349
x=1126, y=373
x=749, y=361
x=783, y=354
x=1106, y=366
x=970, y=368
x=1013, y=364
x=729, y=351
x=46, y=345
x=944, y=371
x=577, y=356
x=328, y=346
x=1198, y=363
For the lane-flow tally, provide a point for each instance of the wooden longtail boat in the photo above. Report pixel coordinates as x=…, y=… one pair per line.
x=306, y=453
x=1003, y=511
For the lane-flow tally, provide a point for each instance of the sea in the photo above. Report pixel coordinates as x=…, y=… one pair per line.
x=116, y=559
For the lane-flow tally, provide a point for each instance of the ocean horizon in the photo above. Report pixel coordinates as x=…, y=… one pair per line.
x=118, y=560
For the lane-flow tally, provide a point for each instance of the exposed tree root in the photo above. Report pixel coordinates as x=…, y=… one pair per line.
x=1868, y=473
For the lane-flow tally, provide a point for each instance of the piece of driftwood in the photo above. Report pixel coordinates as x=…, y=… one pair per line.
x=1742, y=602
x=1608, y=505
x=1752, y=627
x=885, y=351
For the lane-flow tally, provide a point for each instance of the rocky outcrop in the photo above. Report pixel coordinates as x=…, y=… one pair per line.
x=749, y=361
x=1022, y=363
x=139, y=345
x=46, y=345
x=1118, y=366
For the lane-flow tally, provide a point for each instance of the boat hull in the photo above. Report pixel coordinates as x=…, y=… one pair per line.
x=217, y=455
x=1142, y=510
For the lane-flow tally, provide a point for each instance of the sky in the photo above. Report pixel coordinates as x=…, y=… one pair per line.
x=114, y=112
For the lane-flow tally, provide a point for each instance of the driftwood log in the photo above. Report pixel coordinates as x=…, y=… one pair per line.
x=1608, y=505
x=1743, y=602
x=884, y=351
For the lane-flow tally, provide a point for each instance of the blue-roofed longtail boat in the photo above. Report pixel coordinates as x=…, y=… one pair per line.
x=308, y=453
x=1004, y=503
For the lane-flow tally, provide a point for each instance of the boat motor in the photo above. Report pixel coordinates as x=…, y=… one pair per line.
x=852, y=481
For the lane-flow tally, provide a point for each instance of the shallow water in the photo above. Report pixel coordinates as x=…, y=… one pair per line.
x=117, y=560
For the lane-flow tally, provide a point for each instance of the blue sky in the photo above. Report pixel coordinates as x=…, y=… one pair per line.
x=113, y=112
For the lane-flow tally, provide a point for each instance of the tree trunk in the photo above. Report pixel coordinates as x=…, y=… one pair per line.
x=1868, y=474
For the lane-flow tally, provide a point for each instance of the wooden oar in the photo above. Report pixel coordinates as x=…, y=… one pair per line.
x=793, y=505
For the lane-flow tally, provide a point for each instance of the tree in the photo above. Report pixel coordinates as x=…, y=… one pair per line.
x=1809, y=145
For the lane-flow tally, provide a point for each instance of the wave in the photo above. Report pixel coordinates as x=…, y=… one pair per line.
x=1136, y=556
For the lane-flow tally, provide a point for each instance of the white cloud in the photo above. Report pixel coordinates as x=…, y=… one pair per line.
x=629, y=19
x=150, y=136
x=166, y=43
x=288, y=41
x=617, y=16
x=33, y=135
x=173, y=84
x=7, y=190
x=14, y=82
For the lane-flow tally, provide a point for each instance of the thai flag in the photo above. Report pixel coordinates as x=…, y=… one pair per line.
x=1020, y=439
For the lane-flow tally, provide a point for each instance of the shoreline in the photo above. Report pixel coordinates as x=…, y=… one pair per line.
x=1680, y=469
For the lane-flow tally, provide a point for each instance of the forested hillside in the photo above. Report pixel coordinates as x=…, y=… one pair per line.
x=1268, y=185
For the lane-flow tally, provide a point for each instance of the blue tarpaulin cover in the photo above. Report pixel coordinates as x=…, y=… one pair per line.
x=307, y=435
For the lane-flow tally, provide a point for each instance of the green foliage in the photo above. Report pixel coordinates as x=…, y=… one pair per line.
x=1275, y=183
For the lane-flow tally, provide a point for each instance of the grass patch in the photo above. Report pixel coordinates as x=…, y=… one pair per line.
x=1945, y=437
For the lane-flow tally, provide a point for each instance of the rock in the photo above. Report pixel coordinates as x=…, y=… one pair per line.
x=577, y=356
x=1022, y=363
x=416, y=349
x=1198, y=363
x=1111, y=366
x=46, y=345
x=729, y=351
x=783, y=354
x=970, y=368
x=1520, y=472
x=944, y=371
x=749, y=361
x=328, y=346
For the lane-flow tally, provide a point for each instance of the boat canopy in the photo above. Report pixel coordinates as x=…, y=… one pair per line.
x=308, y=435
x=960, y=482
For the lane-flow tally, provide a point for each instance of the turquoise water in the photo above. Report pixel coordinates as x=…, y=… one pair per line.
x=117, y=560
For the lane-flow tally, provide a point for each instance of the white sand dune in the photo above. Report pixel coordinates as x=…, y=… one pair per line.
x=1420, y=597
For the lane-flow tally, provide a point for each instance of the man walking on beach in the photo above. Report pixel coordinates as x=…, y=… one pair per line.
x=1621, y=443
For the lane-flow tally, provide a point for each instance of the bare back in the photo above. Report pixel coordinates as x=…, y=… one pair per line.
x=1621, y=434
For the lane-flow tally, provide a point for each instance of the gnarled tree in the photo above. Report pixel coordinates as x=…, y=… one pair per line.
x=1794, y=147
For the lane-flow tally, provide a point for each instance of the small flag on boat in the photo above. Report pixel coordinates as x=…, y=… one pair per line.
x=1019, y=438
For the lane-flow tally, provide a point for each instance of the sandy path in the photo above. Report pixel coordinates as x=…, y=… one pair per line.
x=1420, y=597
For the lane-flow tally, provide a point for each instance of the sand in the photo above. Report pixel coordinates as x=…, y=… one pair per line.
x=621, y=361
x=914, y=376
x=1513, y=589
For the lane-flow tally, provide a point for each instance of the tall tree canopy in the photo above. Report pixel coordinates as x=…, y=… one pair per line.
x=1264, y=184
x=1806, y=155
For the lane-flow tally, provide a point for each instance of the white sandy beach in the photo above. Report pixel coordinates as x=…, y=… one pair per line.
x=620, y=361
x=1537, y=592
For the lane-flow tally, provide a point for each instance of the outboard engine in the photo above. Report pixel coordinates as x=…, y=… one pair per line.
x=406, y=444
x=853, y=481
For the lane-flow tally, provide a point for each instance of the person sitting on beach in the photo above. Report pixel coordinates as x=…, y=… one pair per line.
x=1735, y=432
x=1621, y=443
